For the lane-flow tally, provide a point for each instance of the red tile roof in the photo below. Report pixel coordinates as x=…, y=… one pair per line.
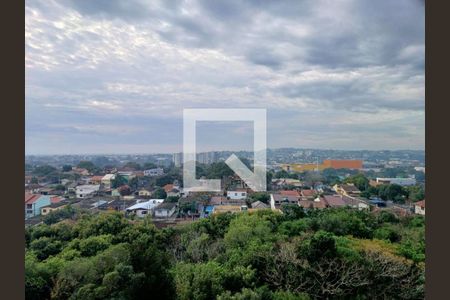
x=334, y=200
x=420, y=203
x=308, y=193
x=312, y=203
x=55, y=199
x=168, y=187
x=290, y=193
x=31, y=198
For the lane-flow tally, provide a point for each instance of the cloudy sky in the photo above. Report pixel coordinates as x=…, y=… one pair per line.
x=111, y=76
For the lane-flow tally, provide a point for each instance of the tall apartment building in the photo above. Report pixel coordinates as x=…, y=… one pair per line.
x=207, y=157
x=177, y=159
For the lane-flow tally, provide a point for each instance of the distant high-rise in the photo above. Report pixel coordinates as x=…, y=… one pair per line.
x=177, y=159
x=207, y=157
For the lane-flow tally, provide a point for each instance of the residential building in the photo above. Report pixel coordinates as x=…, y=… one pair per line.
x=34, y=203
x=317, y=203
x=207, y=157
x=144, y=193
x=143, y=209
x=177, y=159
x=279, y=199
x=237, y=194
x=259, y=205
x=419, y=207
x=400, y=181
x=96, y=179
x=348, y=189
x=128, y=175
x=227, y=208
x=165, y=210
x=326, y=164
x=45, y=210
x=290, y=193
x=107, y=180
x=86, y=190
x=154, y=172
x=308, y=194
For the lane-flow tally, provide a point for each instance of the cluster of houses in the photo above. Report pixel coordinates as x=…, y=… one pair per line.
x=100, y=193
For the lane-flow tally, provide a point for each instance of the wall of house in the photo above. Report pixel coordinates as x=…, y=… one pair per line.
x=419, y=210
x=236, y=195
x=36, y=206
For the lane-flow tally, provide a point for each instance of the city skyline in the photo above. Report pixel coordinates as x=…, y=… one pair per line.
x=109, y=77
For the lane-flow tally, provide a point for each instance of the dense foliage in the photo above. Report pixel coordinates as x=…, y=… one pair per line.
x=333, y=253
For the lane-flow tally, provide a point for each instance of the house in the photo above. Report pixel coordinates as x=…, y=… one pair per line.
x=317, y=203
x=168, y=187
x=290, y=193
x=165, y=210
x=107, y=180
x=348, y=189
x=143, y=209
x=144, y=193
x=222, y=200
x=34, y=203
x=95, y=180
x=280, y=182
x=154, y=172
x=115, y=193
x=419, y=207
x=279, y=199
x=218, y=200
x=227, y=208
x=400, y=181
x=237, y=194
x=80, y=171
x=307, y=194
x=334, y=201
x=173, y=193
x=86, y=190
x=45, y=210
x=128, y=175
x=259, y=205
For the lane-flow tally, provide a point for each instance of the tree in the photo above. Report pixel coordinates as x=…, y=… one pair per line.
x=66, y=168
x=393, y=192
x=133, y=165
x=159, y=193
x=44, y=170
x=149, y=165
x=88, y=165
x=359, y=180
x=118, y=181
x=416, y=193
x=260, y=196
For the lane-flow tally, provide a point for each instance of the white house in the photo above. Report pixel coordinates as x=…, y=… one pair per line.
x=154, y=172
x=400, y=181
x=86, y=190
x=238, y=194
x=143, y=209
x=419, y=207
x=165, y=210
x=107, y=180
x=144, y=193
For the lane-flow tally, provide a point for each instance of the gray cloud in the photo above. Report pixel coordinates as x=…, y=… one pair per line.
x=331, y=68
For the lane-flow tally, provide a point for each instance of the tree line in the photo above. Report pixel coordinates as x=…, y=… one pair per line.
x=326, y=254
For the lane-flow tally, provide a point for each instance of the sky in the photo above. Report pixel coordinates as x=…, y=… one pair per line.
x=111, y=76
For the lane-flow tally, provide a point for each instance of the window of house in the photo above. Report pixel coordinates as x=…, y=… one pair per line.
x=144, y=212
x=44, y=210
x=243, y=194
x=29, y=211
x=29, y=205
